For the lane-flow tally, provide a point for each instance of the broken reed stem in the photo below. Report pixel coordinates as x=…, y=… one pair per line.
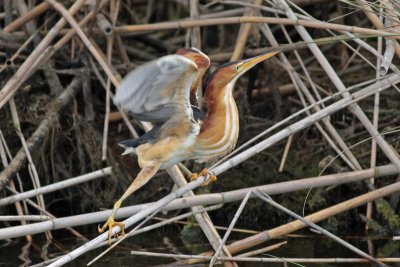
x=183, y=24
x=207, y=199
x=104, y=25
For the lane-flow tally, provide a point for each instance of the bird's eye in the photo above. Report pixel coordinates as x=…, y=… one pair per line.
x=237, y=67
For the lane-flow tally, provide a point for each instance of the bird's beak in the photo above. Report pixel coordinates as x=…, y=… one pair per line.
x=249, y=63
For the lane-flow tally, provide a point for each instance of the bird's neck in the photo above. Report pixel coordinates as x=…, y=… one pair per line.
x=220, y=128
x=219, y=104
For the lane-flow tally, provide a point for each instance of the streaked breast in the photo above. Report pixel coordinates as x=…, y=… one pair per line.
x=221, y=128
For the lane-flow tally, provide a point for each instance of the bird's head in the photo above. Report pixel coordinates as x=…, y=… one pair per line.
x=202, y=61
x=231, y=71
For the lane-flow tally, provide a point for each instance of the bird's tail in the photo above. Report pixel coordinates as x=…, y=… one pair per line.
x=129, y=145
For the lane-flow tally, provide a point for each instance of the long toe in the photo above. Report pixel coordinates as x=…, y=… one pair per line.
x=204, y=172
x=193, y=176
x=110, y=223
x=212, y=179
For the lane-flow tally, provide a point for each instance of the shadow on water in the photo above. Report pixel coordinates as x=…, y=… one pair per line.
x=20, y=253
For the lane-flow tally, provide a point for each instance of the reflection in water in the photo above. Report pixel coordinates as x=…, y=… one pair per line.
x=24, y=256
x=7, y=243
x=170, y=245
x=45, y=253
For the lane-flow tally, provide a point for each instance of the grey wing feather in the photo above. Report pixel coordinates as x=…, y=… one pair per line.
x=149, y=93
x=153, y=134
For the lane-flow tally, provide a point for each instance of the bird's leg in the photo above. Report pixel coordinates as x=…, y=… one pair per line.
x=204, y=172
x=141, y=179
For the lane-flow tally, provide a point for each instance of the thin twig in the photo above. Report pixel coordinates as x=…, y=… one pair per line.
x=231, y=225
x=285, y=153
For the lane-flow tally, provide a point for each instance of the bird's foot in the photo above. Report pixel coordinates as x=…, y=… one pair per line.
x=204, y=172
x=110, y=223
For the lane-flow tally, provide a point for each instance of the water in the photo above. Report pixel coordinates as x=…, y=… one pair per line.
x=166, y=240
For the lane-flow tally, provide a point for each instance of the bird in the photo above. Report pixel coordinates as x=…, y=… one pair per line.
x=163, y=92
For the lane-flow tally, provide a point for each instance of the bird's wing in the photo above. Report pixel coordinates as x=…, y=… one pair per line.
x=158, y=89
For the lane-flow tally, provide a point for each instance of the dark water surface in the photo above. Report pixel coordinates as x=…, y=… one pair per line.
x=166, y=240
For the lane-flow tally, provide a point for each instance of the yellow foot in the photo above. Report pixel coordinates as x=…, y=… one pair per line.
x=212, y=179
x=204, y=172
x=110, y=223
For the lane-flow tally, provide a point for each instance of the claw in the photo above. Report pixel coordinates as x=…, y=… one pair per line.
x=110, y=223
x=204, y=172
x=193, y=176
x=212, y=179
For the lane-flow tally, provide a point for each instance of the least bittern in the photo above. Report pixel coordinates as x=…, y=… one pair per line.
x=163, y=91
